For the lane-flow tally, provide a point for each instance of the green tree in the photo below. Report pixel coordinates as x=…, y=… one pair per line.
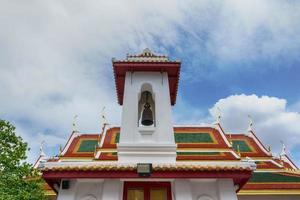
x=18, y=180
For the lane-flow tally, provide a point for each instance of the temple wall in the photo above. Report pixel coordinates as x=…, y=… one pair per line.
x=182, y=189
x=267, y=197
x=92, y=189
x=205, y=189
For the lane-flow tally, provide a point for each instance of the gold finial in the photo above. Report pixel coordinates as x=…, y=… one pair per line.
x=103, y=118
x=250, y=123
x=103, y=124
x=283, y=149
x=269, y=148
x=230, y=139
x=219, y=115
x=74, y=125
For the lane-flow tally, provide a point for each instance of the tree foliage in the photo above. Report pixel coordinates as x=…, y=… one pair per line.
x=18, y=180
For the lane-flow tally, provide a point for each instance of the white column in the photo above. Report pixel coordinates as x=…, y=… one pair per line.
x=226, y=190
x=111, y=190
x=182, y=190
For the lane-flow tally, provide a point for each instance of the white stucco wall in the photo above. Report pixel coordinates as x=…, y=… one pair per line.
x=142, y=143
x=88, y=189
x=92, y=189
x=204, y=189
x=182, y=189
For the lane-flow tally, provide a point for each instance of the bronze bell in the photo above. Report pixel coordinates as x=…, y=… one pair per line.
x=147, y=116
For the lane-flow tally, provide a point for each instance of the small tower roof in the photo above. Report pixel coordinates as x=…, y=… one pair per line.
x=147, y=61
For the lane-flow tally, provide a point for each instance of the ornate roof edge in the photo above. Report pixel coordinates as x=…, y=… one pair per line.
x=146, y=56
x=178, y=166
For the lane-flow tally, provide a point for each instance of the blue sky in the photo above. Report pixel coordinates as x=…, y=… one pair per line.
x=243, y=57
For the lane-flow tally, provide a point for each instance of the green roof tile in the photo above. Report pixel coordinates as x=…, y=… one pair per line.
x=243, y=146
x=193, y=138
x=87, y=146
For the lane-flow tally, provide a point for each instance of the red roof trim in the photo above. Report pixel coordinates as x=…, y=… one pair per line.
x=172, y=68
x=239, y=177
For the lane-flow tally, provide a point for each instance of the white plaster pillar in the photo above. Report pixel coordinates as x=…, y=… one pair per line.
x=111, y=190
x=182, y=190
x=68, y=194
x=226, y=190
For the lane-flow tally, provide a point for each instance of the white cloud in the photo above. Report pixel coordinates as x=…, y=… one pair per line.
x=55, y=55
x=272, y=121
x=55, y=60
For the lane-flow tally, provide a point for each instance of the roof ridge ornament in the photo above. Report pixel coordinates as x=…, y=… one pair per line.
x=74, y=124
x=103, y=118
x=103, y=125
x=283, y=150
x=218, y=116
x=250, y=126
x=42, y=153
x=146, y=56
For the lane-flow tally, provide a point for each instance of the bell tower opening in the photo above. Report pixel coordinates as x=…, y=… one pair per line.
x=146, y=88
x=146, y=107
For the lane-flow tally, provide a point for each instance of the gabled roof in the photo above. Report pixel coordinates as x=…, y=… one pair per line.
x=199, y=148
x=193, y=143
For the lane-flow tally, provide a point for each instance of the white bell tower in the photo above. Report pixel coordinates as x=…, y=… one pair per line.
x=146, y=87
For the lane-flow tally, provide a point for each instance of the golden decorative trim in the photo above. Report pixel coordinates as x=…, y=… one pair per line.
x=156, y=167
x=270, y=192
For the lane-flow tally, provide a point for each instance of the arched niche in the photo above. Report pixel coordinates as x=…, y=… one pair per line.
x=204, y=197
x=146, y=95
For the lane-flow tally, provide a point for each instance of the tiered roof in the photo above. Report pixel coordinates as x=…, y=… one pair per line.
x=199, y=149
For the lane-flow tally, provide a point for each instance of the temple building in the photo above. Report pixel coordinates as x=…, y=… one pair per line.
x=147, y=157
